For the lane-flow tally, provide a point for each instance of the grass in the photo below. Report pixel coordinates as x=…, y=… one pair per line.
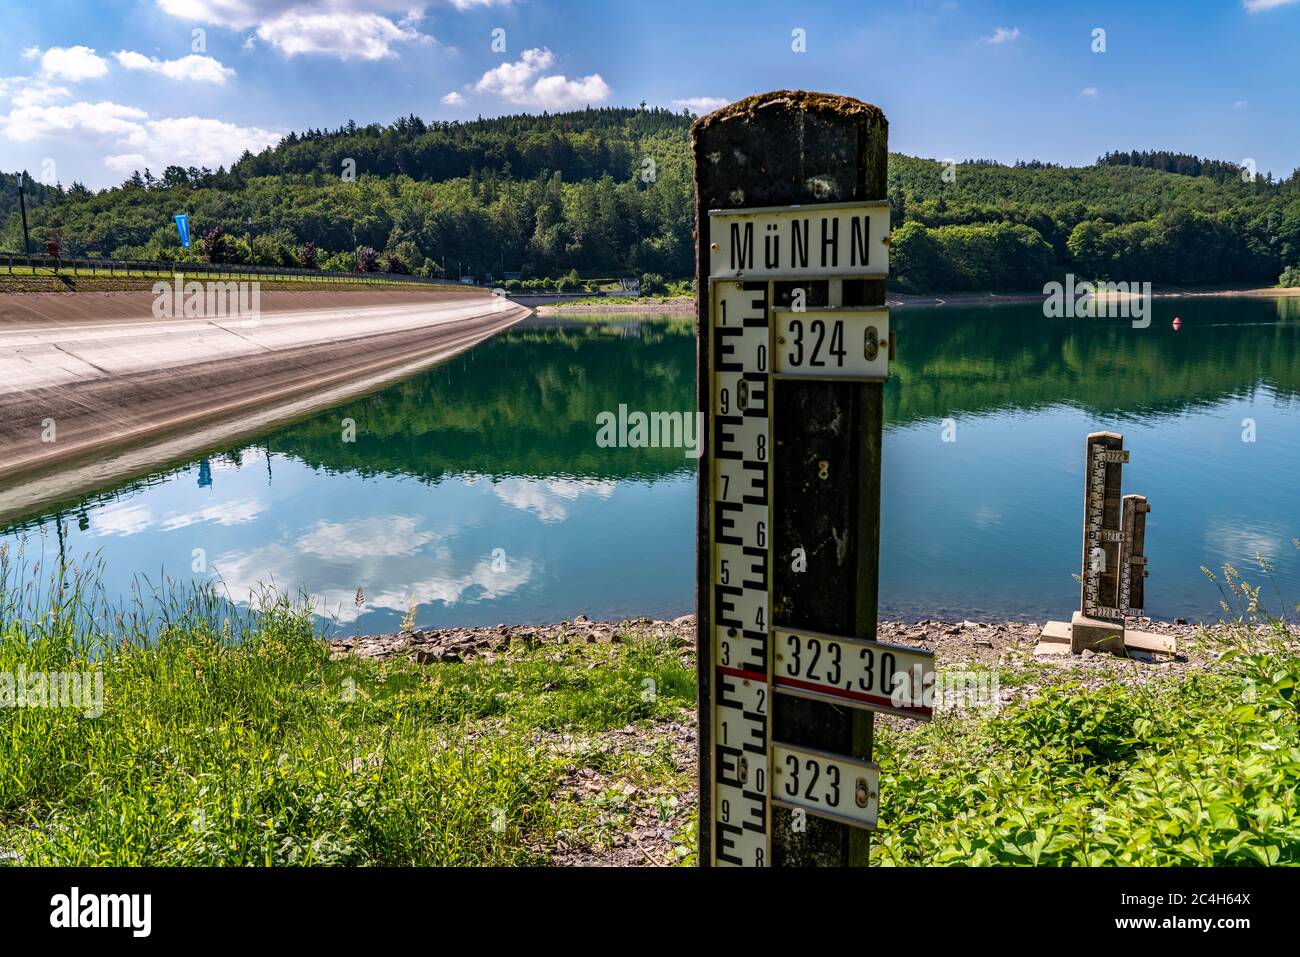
x=232, y=739
x=26, y=278
x=1161, y=772
x=626, y=300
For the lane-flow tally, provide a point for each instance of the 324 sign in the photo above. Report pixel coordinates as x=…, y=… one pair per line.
x=833, y=343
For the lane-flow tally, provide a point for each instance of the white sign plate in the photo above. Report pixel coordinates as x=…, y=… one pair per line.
x=828, y=785
x=833, y=344
x=856, y=672
x=840, y=240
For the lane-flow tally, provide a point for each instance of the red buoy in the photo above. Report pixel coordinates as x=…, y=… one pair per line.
x=1178, y=323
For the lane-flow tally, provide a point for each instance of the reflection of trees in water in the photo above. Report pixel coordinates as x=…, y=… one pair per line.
x=525, y=403
x=958, y=360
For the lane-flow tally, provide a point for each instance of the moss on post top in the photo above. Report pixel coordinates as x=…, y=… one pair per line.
x=786, y=148
x=790, y=100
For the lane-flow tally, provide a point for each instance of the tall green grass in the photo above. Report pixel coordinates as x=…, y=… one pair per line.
x=231, y=738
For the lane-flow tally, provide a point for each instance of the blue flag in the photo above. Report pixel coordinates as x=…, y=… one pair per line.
x=183, y=227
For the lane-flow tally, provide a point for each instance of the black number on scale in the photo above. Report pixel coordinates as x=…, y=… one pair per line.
x=762, y=448
x=837, y=342
x=792, y=785
x=815, y=647
x=792, y=669
x=762, y=358
x=796, y=330
x=724, y=400
x=816, y=770
x=726, y=811
x=833, y=795
x=834, y=676
x=819, y=330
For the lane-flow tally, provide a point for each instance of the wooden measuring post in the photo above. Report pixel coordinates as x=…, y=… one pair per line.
x=794, y=346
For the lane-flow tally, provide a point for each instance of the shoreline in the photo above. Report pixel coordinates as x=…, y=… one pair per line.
x=983, y=643
x=686, y=305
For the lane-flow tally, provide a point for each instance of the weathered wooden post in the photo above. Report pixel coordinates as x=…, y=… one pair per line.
x=794, y=346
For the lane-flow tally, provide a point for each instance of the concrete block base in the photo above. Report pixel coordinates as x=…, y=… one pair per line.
x=1095, y=634
x=1082, y=632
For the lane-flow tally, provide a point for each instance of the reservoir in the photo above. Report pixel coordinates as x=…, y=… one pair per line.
x=476, y=493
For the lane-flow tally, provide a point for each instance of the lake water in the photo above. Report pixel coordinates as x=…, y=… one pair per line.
x=475, y=493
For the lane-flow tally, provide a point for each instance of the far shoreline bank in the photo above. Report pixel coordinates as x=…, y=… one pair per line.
x=686, y=305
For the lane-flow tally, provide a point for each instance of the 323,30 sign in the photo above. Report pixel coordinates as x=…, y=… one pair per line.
x=854, y=671
x=833, y=343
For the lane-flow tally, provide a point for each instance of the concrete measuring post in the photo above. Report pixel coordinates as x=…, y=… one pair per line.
x=794, y=347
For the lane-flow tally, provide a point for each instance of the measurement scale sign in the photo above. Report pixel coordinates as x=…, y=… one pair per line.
x=844, y=240
x=1103, y=533
x=1133, y=563
x=828, y=785
x=833, y=343
x=740, y=523
x=853, y=671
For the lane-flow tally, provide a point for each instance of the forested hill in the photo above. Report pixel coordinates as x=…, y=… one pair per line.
x=608, y=192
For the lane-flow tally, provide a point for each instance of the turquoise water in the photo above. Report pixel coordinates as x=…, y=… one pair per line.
x=475, y=493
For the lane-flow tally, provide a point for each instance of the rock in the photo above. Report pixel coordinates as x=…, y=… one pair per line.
x=1180, y=621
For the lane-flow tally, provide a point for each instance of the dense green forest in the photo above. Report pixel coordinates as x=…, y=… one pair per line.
x=607, y=192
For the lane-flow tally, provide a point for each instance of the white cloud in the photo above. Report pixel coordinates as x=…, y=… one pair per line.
x=453, y=99
x=1256, y=6
x=203, y=69
x=548, y=497
x=1239, y=105
x=343, y=28
x=1002, y=35
x=701, y=104
x=77, y=120
x=1090, y=91
x=522, y=82
x=69, y=63
x=368, y=35
x=239, y=512
x=187, y=141
x=121, y=518
x=382, y=536
x=28, y=91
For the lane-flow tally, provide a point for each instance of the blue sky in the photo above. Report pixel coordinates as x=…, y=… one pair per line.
x=91, y=90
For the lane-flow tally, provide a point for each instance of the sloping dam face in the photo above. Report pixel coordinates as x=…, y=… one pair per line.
x=94, y=389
